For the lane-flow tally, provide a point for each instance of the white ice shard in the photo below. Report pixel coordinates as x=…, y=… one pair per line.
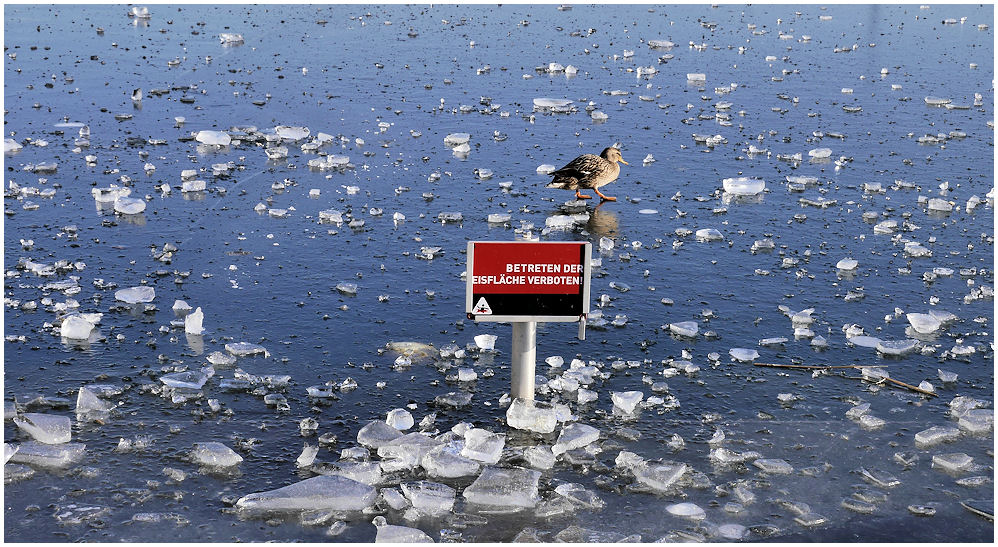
x=531, y=415
x=193, y=186
x=392, y=533
x=660, y=44
x=952, y=463
x=46, y=428
x=136, y=295
x=744, y=186
x=11, y=146
x=924, y=323
x=219, y=138
x=400, y=419
x=368, y=473
x=505, y=488
x=307, y=456
x=325, y=492
x=292, y=133
x=773, y=466
x=897, y=347
x=708, y=234
x=626, y=401
x=486, y=342
x=934, y=435
x=245, y=349
x=110, y=194
x=376, y=434
x=575, y=436
x=190, y=379
x=87, y=402
x=696, y=77
x=658, y=477
x=483, y=446
x=977, y=421
x=847, y=264
x=539, y=457
x=743, y=355
x=688, y=329
x=129, y=206
x=193, y=322
x=230, y=38
x=445, y=462
x=48, y=455
x=544, y=103
x=430, y=498
x=820, y=153
x=941, y=205
x=408, y=450
x=454, y=139
x=688, y=510
x=76, y=327
x=214, y=454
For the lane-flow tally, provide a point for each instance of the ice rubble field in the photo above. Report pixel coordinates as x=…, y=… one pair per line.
x=234, y=242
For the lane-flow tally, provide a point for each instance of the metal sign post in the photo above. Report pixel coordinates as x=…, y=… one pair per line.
x=526, y=283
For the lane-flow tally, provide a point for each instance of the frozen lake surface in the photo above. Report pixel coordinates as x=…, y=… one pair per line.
x=809, y=187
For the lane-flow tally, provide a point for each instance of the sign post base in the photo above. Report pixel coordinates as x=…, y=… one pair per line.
x=524, y=359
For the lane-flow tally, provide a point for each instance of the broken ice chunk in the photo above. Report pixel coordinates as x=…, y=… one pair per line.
x=454, y=139
x=773, y=466
x=575, y=436
x=743, y=355
x=531, y=415
x=193, y=322
x=934, y=435
x=292, y=133
x=185, y=380
x=539, y=457
x=977, y=421
x=708, y=234
x=46, y=428
x=505, y=488
x=307, y=456
x=744, y=186
x=391, y=533
x=688, y=510
x=76, y=327
x=214, y=454
x=45, y=455
x=330, y=492
x=660, y=477
x=897, y=347
x=952, y=463
x=136, y=295
x=847, y=264
x=430, y=498
x=244, y=349
x=483, y=446
x=219, y=138
x=923, y=323
x=230, y=38
x=626, y=401
x=688, y=329
x=444, y=462
x=408, y=449
x=400, y=419
x=376, y=434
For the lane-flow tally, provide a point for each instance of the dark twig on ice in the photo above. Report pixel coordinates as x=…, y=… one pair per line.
x=876, y=380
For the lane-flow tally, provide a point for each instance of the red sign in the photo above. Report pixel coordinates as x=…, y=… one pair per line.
x=527, y=268
x=528, y=279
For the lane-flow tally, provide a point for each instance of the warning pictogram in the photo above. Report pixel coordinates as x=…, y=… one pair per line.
x=482, y=307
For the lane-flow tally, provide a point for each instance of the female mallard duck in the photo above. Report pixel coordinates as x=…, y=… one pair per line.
x=589, y=171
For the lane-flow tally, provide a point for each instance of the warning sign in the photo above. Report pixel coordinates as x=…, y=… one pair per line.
x=527, y=281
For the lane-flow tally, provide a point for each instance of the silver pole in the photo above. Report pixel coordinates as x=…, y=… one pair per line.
x=524, y=359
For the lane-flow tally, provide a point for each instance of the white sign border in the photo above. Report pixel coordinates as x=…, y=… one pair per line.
x=586, y=283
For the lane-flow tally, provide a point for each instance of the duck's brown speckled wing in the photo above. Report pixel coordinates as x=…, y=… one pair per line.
x=578, y=172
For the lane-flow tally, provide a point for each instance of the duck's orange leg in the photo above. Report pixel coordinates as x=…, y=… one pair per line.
x=583, y=196
x=605, y=198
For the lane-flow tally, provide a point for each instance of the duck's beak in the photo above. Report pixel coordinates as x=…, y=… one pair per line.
x=624, y=162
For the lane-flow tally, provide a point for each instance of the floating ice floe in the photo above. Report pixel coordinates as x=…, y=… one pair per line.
x=325, y=492
x=660, y=44
x=395, y=534
x=847, y=264
x=820, y=153
x=688, y=510
x=292, y=133
x=214, y=454
x=129, y=206
x=924, y=323
x=46, y=428
x=218, y=138
x=575, y=436
x=531, y=415
x=47, y=455
x=553, y=105
x=688, y=329
x=486, y=342
x=230, y=38
x=193, y=322
x=400, y=419
x=10, y=146
x=897, y=347
x=76, y=327
x=626, y=401
x=136, y=295
x=708, y=234
x=744, y=186
x=743, y=355
x=504, y=488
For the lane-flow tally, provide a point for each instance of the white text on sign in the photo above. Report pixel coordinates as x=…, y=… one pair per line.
x=526, y=280
x=544, y=268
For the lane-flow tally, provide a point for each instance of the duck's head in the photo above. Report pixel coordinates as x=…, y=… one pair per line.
x=612, y=155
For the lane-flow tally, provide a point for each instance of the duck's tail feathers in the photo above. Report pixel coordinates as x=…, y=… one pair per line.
x=564, y=183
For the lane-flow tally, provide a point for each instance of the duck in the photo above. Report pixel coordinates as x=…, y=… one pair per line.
x=589, y=171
